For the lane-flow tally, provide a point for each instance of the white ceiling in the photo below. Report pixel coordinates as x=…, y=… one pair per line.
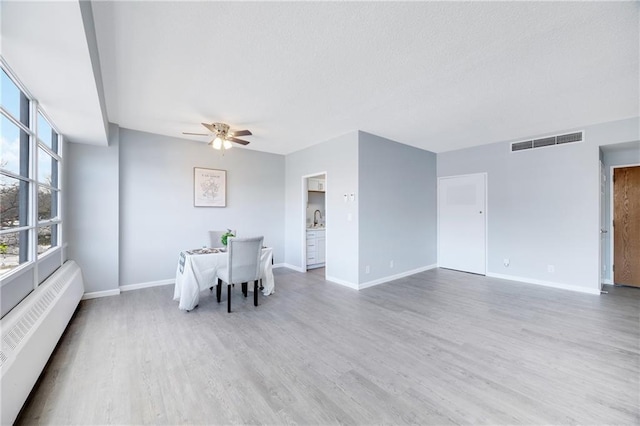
x=436, y=75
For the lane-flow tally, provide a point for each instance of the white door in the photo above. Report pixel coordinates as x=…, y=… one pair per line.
x=462, y=223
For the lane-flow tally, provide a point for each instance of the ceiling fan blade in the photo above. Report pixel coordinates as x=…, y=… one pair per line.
x=240, y=141
x=195, y=134
x=241, y=132
x=211, y=127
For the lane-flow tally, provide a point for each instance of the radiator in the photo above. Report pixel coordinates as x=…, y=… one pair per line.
x=31, y=331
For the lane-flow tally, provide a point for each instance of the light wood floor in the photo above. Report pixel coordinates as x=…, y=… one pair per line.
x=439, y=347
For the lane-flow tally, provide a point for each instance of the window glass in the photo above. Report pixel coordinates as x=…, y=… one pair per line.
x=10, y=250
x=13, y=202
x=46, y=167
x=44, y=130
x=12, y=138
x=10, y=96
x=47, y=203
x=44, y=239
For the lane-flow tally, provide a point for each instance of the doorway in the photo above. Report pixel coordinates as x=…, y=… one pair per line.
x=462, y=223
x=625, y=244
x=314, y=188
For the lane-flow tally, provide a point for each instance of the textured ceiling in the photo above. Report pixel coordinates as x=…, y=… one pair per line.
x=439, y=76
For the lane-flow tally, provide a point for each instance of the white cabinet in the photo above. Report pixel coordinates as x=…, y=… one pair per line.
x=316, y=184
x=315, y=248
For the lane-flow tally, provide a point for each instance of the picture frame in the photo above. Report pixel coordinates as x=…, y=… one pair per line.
x=209, y=187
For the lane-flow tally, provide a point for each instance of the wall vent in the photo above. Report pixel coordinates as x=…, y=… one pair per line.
x=31, y=331
x=519, y=146
x=547, y=141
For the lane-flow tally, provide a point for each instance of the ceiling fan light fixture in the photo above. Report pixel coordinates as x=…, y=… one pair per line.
x=227, y=144
x=217, y=143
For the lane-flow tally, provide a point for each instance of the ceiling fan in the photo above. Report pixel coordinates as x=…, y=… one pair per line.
x=223, y=135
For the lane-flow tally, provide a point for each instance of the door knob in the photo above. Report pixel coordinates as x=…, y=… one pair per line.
x=603, y=231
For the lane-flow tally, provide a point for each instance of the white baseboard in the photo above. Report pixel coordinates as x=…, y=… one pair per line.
x=607, y=281
x=280, y=265
x=148, y=284
x=342, y=282
x=295, y=268
x=560, y=286
x=96, y=294
x=395, y=277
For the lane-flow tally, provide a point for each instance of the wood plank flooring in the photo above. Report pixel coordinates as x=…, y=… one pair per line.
x=439, y=347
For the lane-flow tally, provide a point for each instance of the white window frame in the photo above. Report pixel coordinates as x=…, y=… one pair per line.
x=33, y=224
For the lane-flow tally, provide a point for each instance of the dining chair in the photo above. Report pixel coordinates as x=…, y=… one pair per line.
x=243, y=266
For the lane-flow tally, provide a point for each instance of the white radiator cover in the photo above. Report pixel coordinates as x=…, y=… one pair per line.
x=31, y=331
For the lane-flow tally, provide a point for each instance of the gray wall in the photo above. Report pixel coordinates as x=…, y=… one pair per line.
x=397, y=207
x=157, y=215
x=615, y=155
x=339, y=158
x=92, y=220
x=543, y=204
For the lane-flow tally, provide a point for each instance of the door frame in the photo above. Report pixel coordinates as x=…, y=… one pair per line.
x=485, y=176
x=602, y=198
x=305, y=195
x=610, y=224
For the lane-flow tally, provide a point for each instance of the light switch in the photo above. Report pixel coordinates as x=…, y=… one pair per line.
x=352, y=197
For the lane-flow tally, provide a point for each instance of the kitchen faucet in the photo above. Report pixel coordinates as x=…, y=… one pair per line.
x=316, y=219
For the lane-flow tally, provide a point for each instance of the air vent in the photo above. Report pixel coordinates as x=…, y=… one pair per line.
x=571, y=137
x=544, y=142
x=519, y=146
x=547, y=141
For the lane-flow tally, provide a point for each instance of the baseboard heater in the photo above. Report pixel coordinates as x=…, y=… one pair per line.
x=31, y=331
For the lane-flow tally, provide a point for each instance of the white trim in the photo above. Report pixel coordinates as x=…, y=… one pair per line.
x=295, y=268
x=342, y=282
x=607, y=282
x=561, y=286
x=611, y=230
x=279, y=265
x=396, y=276
x=96, y=294
x=148, y=284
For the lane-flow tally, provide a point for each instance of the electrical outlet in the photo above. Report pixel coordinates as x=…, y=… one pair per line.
x=551, y=268
x=367, y=269
x=391, y=264
x=506, y=262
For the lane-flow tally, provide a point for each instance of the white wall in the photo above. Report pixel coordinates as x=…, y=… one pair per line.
x=397, y=207
x=339, y=158
x=543, y=205
x=91, y=211
x=157, y=215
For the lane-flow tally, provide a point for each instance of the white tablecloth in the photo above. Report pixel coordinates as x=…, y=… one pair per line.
x=199, y=273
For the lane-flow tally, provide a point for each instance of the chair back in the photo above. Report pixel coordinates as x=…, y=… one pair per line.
x=244, y=259
x=215, y=238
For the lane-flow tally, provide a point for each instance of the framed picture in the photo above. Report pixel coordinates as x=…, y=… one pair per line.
x=209, y=187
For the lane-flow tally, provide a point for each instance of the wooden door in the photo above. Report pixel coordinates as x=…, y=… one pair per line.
x=461, y=223
x=626, y=226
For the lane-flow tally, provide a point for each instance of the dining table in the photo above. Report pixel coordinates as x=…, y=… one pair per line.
x=197, y=270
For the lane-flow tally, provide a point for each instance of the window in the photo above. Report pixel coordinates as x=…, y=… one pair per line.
x=30, y=192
